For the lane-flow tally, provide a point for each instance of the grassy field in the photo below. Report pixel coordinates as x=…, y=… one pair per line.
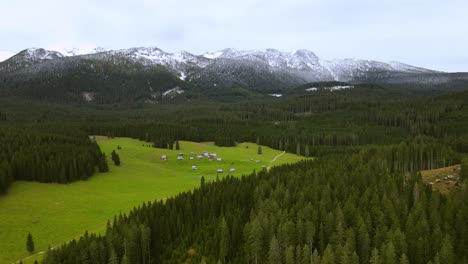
x=439, y=178
x=55, y=213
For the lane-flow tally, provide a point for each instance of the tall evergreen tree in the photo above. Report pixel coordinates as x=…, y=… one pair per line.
x=224, y=242
x=29, y=243
x=274, y=254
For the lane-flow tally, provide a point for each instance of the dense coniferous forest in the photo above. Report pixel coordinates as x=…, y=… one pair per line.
x=361, y=200
x=337, y=210
x=46, y=156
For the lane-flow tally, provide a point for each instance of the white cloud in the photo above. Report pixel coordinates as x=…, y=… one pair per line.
x=429, y=33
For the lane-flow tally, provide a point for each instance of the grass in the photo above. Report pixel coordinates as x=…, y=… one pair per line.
x=438, y=178
x=56, y=213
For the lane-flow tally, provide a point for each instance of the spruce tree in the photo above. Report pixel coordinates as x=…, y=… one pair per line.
x=447, y=255
x=115, y=158
x=29, y=243
x=177, y=146
x=259, y=151
x=274, y=255
x=290, y=255
x=404, y=259
x=113, y=259
x=202, y=181
x=224, y=242
x=375, y=257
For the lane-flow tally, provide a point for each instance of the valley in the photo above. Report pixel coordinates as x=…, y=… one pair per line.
x=57, y=213
x=246, y=132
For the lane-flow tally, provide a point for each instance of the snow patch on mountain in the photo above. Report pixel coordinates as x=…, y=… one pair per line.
x=330, y=88
x=173, y=92
x=212, y=55
x=88, y=96
x=182, y=76
x=275, y=95
x=37, y=54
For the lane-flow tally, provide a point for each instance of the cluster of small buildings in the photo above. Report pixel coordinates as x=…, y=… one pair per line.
x=210, y=156
x=204, y=155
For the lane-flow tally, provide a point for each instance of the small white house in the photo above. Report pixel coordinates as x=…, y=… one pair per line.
x=199, y=157
x=164, y=157
x=219, y=171
x=258, y=161
x=205, y=154
x=191, y=158
x=194, y=167
x=192, y=153
x=232, y=170
x=219, y=159
x=180, y=158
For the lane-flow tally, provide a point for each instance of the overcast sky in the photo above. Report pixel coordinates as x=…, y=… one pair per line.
x=427, y=33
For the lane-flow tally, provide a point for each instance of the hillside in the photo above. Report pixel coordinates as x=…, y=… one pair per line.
x=143, y=75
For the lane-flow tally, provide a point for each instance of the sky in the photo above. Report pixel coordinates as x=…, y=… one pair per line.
x=426, y=33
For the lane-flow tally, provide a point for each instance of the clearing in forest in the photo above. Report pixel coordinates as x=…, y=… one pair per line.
x=57, y=213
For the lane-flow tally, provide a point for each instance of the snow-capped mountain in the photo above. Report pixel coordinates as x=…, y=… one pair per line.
x=29, y=57
x=269, y=71
x=348, y=70
x=302, y=63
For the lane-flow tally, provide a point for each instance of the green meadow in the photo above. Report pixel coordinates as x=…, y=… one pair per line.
x=56, y=213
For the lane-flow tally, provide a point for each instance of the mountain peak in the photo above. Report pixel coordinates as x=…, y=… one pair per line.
x=41, y=54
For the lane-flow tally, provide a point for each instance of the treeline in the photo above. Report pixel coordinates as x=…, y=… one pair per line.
x=46, y=156
x=366, y=115
x=343, y=209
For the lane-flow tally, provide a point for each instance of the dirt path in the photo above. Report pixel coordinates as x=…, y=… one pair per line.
x=274, y=159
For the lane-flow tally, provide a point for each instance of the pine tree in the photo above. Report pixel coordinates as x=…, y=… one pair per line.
x=389, y=254
x=177, y=146
x=30, y=244
x=404, y=259
x=102, y=165
x=274, y=255
x=259, y=151
x=375, y=257
x=224, y=242
x=298, y=148
x=328, y=256
x=115, y=157
x=307, y=151
x=125, y=260
x=202, y=182
x=290, y=255
x=113, y=259
x=315, y=257
x=447, y=255
x=306, y=254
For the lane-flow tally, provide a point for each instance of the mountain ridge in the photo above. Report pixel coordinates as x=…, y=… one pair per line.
x=267, y=71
